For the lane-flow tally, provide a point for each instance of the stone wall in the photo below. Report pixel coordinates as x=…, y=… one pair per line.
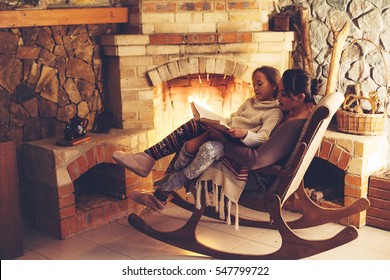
x=363, y=63
x=48, y=75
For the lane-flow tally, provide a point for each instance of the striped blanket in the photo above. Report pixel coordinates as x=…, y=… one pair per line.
x=227, y=179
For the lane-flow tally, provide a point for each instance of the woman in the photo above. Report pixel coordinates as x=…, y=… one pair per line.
x=296, y=98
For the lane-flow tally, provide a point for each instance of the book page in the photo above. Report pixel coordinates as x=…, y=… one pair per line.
x=208, y=118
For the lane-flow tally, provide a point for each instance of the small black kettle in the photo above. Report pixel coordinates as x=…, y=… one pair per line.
x=76, y=128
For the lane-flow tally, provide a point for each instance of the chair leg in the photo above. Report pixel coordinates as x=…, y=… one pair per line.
x=312, y=211
x=292, y=247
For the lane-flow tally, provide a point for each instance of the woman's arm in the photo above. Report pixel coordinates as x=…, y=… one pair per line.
x=280, y=144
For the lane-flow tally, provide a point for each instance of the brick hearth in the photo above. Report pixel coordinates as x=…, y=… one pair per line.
x=51, y=171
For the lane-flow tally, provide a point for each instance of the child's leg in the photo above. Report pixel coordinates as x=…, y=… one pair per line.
x=176, y=139
x=143, y=162
x=192, y=146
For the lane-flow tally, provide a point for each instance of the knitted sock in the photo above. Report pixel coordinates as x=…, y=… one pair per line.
x=174, y=141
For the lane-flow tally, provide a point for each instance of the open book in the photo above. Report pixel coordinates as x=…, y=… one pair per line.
x=208, y=118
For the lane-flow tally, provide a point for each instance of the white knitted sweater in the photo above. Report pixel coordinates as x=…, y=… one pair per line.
x=258, y=117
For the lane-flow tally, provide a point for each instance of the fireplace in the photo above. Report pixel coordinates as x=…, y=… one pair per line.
x=165, y=47
x=354, y=158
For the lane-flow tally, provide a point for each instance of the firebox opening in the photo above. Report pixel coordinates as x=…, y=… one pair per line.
x=325, y=182
x=99, y=186
x=219, y=93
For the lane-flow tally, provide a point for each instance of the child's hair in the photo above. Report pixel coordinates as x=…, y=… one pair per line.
x=297, y=81
x=272, y=74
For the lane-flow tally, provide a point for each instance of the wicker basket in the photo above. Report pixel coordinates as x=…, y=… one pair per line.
x=361, y=123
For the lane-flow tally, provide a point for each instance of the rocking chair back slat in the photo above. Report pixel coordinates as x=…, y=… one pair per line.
x=310, y=139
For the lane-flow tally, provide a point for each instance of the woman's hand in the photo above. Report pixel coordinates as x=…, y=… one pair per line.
x=237, y=132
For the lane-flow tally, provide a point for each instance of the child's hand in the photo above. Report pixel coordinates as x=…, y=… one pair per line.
x=237, y=132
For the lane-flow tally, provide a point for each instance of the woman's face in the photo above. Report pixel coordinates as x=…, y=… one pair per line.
x=286, y=102
x=263, y=89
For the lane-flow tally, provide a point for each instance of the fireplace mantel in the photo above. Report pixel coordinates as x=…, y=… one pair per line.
x=70, y=16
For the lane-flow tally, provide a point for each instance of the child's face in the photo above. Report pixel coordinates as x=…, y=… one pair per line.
x=263, y=89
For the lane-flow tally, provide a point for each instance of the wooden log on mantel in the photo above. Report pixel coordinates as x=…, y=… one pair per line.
x=338, y=45
x=75, y=16
x=307, y=56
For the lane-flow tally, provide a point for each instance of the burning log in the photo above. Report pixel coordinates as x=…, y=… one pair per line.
x=316, y=195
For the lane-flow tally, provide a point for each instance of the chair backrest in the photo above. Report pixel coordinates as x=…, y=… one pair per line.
x=307, y=145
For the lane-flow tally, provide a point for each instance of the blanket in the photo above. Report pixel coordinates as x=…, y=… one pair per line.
x=227, y=179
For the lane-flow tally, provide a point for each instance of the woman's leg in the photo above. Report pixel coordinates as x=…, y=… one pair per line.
x=189, y=151
x=208, y=153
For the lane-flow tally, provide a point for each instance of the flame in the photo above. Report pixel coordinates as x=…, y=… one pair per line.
x=197, y=100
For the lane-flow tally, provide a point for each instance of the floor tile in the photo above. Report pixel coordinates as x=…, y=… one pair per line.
x=120, y=241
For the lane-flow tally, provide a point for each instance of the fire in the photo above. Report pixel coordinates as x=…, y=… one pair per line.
x=197, y=100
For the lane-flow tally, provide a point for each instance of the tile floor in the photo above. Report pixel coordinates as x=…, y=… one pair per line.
x=119, y=241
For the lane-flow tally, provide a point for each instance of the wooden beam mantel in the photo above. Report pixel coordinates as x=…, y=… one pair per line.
x=69, y=16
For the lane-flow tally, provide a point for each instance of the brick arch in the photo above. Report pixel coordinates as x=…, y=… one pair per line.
x=200, y=65
x=335, y=154
x=101, y=153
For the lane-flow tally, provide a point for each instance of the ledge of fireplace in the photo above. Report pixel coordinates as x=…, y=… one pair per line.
x=69, y=16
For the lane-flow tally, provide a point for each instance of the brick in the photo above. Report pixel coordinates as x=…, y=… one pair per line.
x=65, y=228
x=210, y=38
x=245, y=6
x=344, y=159
x=100, y=156
x=194, y=6
x=65, y=190
x=109, y=150
x=107, y=214
x=335, y=155
x=158, y=7
x=73, y=170
x=67, y=212
x=167, y=39
x=95, y=217
x=355, y=191
x=353, y=180
x=91, y=158
x=325, y=149
x=82, y=224
x=82, y=164
x=233, y=37
x=73, y=229
x=66, y=201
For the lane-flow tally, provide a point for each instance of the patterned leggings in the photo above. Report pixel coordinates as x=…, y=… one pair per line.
x=176, y=139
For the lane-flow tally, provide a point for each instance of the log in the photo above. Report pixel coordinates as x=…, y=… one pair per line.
x=50, y=17
x=334, y=67
x=307, y=56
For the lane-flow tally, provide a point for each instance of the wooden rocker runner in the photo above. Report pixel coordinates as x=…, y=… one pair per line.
x=288, y=181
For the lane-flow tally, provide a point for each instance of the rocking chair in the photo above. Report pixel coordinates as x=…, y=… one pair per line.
x=289, y=180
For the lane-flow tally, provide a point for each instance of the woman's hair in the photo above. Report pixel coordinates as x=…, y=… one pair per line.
x=297, y=81
x=272, y=74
